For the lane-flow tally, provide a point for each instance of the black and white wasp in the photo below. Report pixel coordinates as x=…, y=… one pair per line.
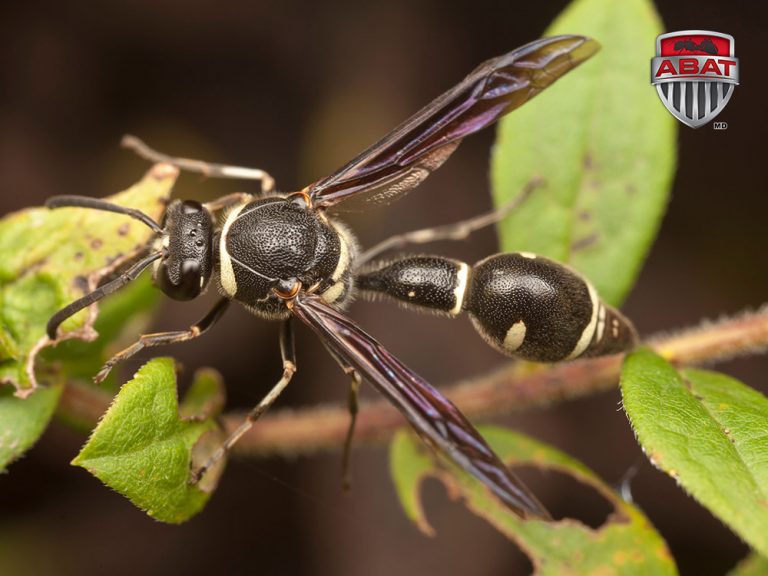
x=285, y=256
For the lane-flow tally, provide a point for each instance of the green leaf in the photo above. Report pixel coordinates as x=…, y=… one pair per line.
x=52, y=257
x=23, y=420
x=708, y=431
x=144, y=450
x=604, y=147
x=752, y=565
x=626, y=544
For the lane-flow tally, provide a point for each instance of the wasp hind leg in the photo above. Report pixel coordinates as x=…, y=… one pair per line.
x=455, y=231
x=353, y=406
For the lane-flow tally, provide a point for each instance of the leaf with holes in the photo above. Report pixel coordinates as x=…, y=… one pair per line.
x=626, y=544
x=145, y=450
x=603, y=146
x=48, y=258
x=52, y=257
x=709, y=432
x=122, y=316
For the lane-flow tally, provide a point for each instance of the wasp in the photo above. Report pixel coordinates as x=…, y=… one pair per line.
x=286, y=256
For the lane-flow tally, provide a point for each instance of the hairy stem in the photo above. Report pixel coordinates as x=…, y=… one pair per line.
x=514, y=387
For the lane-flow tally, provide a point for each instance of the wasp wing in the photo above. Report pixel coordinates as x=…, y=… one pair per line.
x=407, y=155
x=431, y=414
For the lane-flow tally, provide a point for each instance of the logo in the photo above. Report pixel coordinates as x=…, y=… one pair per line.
x=695, y=73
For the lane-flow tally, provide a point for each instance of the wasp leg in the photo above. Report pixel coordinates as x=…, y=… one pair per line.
x=288, y=355
x=201, y=167
x=163, y=338
x=228, y=201
x=353, y=407
x=455, y=231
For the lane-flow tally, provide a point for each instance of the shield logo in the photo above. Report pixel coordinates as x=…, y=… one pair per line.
x=695, y=73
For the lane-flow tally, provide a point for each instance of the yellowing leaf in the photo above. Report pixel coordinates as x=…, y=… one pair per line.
x=626, y=544
x=52, y=257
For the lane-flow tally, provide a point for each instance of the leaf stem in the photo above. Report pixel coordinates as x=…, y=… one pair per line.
x=514, y=387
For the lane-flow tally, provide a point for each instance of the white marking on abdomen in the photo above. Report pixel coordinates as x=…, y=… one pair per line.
x=600, y=323
x=515, y=336
x=461, y=288
x=589, y=329
x=226, y=271
x=529, y=255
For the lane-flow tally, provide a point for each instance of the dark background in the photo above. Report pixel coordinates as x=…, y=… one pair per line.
x=297, y=89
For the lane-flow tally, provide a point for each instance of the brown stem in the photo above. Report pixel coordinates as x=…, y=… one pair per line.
x=514, y=387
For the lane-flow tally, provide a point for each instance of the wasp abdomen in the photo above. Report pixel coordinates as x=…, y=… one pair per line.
x=521, y=304
x=431, y=282
x=540, y=310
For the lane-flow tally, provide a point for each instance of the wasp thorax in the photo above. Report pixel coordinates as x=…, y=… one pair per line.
x=278, y=238
x=187, y=244
x=270, y=244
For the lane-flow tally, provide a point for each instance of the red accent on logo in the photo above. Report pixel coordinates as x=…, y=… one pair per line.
x=695, y=45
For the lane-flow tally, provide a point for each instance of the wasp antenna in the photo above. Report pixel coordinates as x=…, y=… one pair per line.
x=100, y=292
x=95, y=204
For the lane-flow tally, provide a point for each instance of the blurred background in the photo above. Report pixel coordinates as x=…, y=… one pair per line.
x=297, y=89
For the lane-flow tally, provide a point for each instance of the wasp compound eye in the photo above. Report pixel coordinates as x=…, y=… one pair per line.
x=190, y=268
x=179, y=280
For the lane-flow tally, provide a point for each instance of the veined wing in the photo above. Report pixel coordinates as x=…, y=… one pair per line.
x=431, y=414
x=407, y=155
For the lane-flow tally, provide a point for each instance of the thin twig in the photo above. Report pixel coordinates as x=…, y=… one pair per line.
x=512, y=388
